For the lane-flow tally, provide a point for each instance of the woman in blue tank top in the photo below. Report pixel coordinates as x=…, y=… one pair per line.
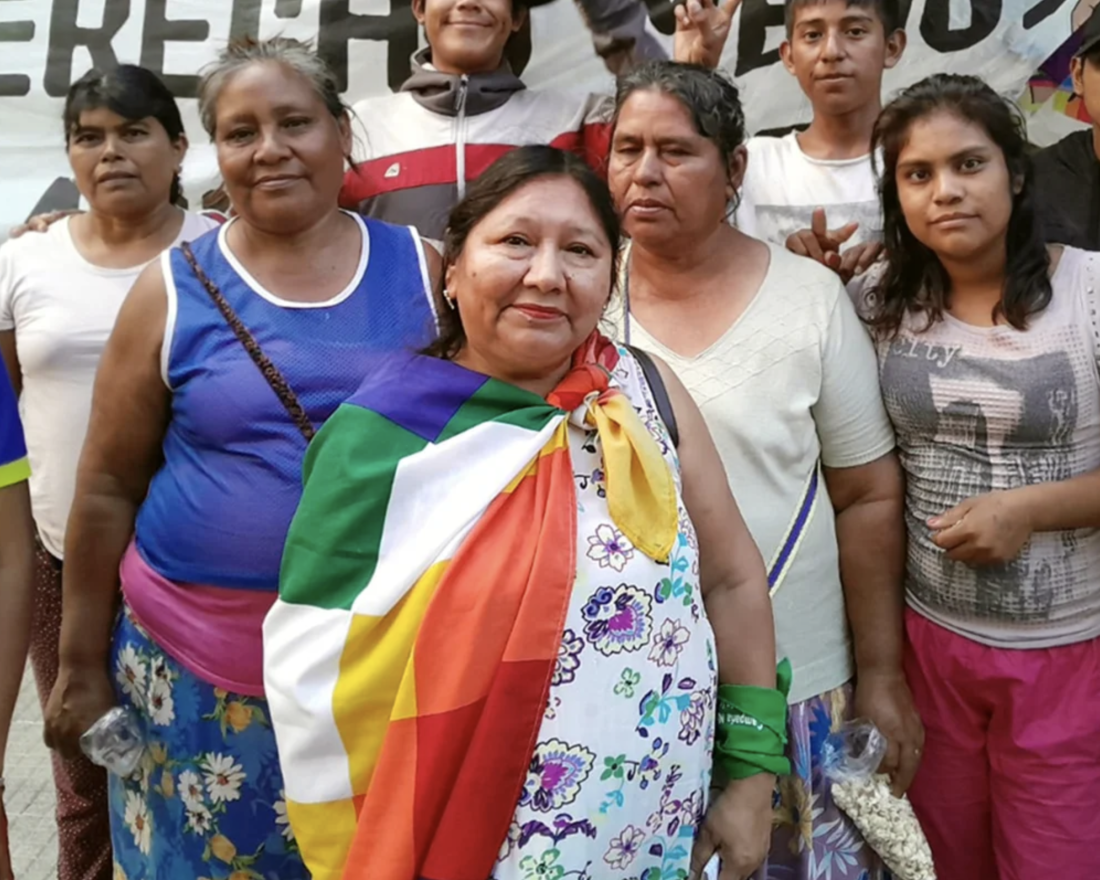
x=226, y=357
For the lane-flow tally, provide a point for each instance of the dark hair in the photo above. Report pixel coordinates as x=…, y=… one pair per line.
x=887, y=11
x=133, y=93
x=914, y=280
x=511, y=172
x=294, y=54
x=709, y=96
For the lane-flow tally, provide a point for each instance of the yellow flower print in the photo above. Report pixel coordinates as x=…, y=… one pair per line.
x=838, y=709
x=222, y=848
x=118, y=873
x=796, y=810
x=167, y=784
x=220, y=694
x=159, y=752
x=239, y=715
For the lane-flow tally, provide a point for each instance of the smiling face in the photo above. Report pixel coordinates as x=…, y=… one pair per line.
x=123, y=166
x=669, y=182
x=532, y=281
x=838, y=53
x=954, y=187
x=467, y=36
x=280, y=151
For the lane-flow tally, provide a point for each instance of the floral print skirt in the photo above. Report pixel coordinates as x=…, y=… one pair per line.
x=207, y=800
x=813, y=839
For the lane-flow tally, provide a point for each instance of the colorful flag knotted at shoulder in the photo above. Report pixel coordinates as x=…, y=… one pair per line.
x=424, y=588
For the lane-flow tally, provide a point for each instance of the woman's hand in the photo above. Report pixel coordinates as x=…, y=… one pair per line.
x=79, y=699
x=41, y=222
x=738, y=827
x=984, y=530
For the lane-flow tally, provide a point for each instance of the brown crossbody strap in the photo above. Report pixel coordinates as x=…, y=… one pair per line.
x=270, y=372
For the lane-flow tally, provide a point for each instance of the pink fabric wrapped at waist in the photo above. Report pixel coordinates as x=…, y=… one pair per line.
x=215, y=632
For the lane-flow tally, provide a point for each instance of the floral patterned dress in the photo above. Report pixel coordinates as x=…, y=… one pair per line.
x=619, y=779
x=206, y=802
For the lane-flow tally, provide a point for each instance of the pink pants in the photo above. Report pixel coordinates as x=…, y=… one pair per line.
x=1009, y=786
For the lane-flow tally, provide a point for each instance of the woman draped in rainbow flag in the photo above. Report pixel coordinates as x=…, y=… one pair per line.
x=520, y=616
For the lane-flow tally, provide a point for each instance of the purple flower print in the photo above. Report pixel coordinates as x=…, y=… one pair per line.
x=555, y=775
x=610, y=548
x=569, y=658
x=618, y=620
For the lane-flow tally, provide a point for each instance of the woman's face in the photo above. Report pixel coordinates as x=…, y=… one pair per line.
x=123, y=167
x=954, y=187
x=668, y=181
x=280, y=151
x=532, y=281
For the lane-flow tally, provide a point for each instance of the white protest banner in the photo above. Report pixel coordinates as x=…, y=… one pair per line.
x=46, y=44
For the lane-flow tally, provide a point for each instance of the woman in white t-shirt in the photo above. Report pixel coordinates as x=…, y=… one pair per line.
x=771, y=348
x=60, y=292
x=988, y=348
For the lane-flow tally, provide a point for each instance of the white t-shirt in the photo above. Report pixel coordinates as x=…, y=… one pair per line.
x=982, y=409
x=62, y=309
x=792, y=382
x=783, y=186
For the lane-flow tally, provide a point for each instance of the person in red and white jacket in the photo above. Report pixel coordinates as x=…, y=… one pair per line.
x=464, y=107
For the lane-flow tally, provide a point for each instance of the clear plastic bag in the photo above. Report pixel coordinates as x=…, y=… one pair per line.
x=116, y=741
x=851, y=757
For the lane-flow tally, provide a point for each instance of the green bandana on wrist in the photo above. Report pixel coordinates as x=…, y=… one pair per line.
x=751, y=730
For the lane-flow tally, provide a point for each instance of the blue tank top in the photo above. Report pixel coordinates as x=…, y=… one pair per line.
x=218, y=510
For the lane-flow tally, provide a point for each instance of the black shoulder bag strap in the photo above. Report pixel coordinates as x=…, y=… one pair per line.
x=659, y=392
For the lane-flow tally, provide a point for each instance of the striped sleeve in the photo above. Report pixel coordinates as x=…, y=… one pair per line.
x=13, y=449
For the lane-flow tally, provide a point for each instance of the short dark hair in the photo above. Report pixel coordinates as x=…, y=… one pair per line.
x=133, y=93
x=512, y=171
x=709, y=96
x=915, y=282
x=887, y=11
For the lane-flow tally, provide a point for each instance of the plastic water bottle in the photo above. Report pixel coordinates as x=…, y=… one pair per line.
x=115, y=741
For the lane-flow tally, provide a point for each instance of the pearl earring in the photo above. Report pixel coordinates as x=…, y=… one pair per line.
x=450, y=299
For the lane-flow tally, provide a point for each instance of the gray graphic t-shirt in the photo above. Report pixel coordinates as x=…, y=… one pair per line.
x=979, y=409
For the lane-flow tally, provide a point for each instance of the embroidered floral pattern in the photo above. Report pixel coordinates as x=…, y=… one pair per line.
x=610, y=548
x=615, y=787
x=569, y=658
x=669, y=642
x=555, y=776
x=618, y=620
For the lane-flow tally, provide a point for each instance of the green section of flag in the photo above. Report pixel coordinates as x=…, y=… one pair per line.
x=332, y=548
x=500, y=402
x=14, y=472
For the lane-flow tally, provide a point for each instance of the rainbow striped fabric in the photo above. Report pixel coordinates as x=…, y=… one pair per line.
x=424, y=588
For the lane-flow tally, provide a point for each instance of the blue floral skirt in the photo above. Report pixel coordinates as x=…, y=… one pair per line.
x=207, y=799
x=812, y=838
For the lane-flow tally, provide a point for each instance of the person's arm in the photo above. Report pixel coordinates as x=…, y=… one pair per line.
x=16, y=580
x=870, y=530
x=734, y=586
x=122, y=451
x=991, y=529
x=866, y=487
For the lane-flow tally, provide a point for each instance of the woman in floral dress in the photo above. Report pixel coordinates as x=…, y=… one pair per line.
x=500, y=637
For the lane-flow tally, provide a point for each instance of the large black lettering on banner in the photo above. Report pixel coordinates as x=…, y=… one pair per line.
x=935, y=25
x=65, y=36
x=339, y=25
x=15, y=85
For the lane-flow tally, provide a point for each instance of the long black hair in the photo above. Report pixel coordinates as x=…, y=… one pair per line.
x=133, y=93
x=509, y=173
x=915, y=280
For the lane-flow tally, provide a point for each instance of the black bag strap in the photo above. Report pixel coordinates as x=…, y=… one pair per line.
x=659, y=392
x=270, y=372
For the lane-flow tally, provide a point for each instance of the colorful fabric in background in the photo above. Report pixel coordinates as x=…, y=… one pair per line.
x=813, y=838
x=425, y=583
x=1052, y=83
x=14, y=467
x=206, y=801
